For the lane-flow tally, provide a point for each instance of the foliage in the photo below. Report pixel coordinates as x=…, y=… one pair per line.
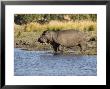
x=45, y=18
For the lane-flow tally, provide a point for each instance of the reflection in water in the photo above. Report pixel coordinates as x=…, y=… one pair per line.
x=41, y=63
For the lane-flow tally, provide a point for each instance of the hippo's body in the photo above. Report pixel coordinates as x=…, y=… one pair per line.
x=64, y=38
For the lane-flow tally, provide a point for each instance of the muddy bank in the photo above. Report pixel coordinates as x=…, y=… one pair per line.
x=91, y=48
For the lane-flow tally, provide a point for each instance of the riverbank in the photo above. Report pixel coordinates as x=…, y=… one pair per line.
x=74, y=50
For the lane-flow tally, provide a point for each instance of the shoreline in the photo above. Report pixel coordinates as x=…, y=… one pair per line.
x=74, y=52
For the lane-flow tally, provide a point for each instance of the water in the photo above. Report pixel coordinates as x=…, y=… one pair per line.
x=44, y=63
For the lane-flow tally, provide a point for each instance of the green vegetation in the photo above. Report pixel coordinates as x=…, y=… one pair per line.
x=28, y=27
x=45, y=18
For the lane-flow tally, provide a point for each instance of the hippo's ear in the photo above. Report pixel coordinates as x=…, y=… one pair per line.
x=48, y=41
x=44, y=32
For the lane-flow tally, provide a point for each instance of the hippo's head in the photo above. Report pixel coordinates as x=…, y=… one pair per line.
x=42, y=39
x=46, y=37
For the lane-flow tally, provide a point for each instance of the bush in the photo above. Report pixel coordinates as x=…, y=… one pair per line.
x=46, y=18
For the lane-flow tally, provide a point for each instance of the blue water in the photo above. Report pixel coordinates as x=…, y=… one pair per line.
x=44, y=63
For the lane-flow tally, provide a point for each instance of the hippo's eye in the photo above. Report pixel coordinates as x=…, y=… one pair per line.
x=43, y=34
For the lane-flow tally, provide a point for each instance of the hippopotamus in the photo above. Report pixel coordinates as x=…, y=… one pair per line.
x=63, y=38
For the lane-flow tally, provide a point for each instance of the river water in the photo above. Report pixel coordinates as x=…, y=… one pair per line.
x=44, y=63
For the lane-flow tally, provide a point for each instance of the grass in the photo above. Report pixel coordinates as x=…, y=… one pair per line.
x=58, y=25
x=26, y=35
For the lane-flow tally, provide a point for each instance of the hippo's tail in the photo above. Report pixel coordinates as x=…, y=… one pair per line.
x=91, y=38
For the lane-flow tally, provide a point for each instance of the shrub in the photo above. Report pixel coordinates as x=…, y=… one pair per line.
x=46, y=18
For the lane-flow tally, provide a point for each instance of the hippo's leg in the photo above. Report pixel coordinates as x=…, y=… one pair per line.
x=83, y=47
x=60, y=48
x=55, y=47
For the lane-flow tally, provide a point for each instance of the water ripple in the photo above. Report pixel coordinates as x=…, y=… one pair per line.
x=44, y=63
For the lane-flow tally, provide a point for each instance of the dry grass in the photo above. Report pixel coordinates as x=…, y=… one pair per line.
x=58, y=25
x=80, y=25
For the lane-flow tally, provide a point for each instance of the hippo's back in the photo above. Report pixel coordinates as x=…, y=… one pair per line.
x=70, y=37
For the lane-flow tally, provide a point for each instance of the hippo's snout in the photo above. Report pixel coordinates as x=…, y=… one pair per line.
x=42, y=40
x=39, y=40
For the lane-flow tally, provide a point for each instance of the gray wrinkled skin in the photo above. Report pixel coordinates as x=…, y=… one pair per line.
x=64, y=38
